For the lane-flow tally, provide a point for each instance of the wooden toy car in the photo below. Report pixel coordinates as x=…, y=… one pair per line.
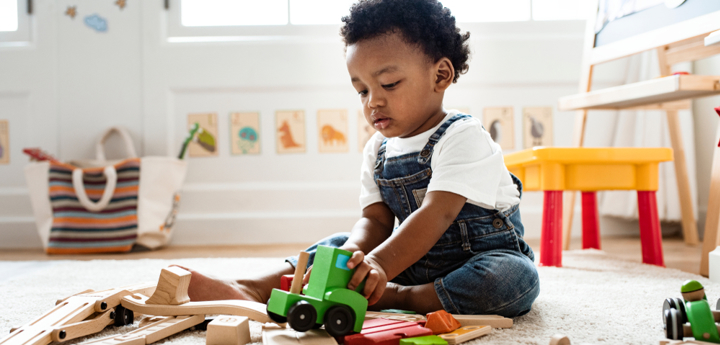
x=325, y=300
x=691, y=316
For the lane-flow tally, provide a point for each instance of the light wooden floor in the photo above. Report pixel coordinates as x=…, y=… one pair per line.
x=677, y=254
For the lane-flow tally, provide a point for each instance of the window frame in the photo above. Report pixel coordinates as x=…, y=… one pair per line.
x=281, y=33
x=23, y=35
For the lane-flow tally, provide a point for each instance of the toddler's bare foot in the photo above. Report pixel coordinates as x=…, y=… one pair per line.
x=204, y=288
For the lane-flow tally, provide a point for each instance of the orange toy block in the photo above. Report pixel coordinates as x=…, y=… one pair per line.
x=441, y=322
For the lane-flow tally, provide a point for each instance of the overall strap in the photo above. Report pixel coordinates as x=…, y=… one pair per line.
x=380, y=156
x=426, y=153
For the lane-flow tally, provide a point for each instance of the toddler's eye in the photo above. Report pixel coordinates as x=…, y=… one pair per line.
x=390, y=86
x=362, y=93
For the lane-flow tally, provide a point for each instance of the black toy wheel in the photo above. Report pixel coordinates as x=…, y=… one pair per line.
x=276, y=317
x=673, y=324
x=123, y=316
x=302, y=316
x=675, y=303
x=339, y=320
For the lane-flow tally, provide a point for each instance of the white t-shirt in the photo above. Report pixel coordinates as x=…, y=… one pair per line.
x=465, y=161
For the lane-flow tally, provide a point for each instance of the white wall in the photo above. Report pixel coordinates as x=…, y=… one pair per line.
x=60, y=92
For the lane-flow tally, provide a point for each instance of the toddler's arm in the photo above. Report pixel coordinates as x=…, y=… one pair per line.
x=373, y=228
x=406, y=245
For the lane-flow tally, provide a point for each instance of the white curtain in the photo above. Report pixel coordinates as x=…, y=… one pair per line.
x=647, y=128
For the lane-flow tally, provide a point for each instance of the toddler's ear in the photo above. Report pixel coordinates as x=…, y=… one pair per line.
x=444, y=74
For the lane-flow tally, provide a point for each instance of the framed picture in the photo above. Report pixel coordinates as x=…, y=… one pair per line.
x=245, y=133
x=365, y=130
x=204, y=144
x=4, y=142
x=333, y=130
x=500, y=122
x=290, y=131
x=537, y=126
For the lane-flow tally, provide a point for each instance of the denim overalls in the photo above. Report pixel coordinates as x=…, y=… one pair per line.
x=480, y=265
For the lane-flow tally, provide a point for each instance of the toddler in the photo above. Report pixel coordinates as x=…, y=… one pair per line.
x=458, y=245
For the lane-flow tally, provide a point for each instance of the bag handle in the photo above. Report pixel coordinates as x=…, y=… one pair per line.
x=110, y=174
x=124, y=134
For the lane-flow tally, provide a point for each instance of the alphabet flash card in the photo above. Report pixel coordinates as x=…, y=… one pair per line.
x=333, y=130
x=290, y=131
x=499, y=121
x=244, y=133
x=537, y=126
x=365, y=131
x=204, y=144
x=4, y=142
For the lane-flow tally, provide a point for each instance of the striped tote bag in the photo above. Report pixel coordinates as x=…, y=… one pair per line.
x=77, y=228
x=105, y=206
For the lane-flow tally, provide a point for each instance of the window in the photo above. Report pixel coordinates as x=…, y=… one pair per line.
x=253, y=20
x=14, y=23
x=560, y=9
x=8, y=15
x=234, y=12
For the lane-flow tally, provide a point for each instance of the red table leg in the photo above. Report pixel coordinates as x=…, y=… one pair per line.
x=590, y=221
x=551, y=236
x=650, y=235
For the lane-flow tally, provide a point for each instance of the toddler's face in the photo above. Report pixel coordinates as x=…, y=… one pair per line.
x=396, y=84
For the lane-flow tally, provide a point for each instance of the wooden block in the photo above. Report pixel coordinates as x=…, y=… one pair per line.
x=426, y=340
x=441, y=322
x=394, y=316
x=254, y=310
x=494, y=321
x=172, y=287
x=152, y=331
x=228, y=330
x=559, y=339
x=296, y=284
x=386, y=332
x=289, y=336
x=465, y=333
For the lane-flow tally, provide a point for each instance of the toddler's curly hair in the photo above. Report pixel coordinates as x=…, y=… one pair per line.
x=425, y=23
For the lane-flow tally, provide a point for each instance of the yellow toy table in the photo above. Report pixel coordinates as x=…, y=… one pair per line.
x=557, y=169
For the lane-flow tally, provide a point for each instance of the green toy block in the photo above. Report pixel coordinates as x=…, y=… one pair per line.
x=426, y=340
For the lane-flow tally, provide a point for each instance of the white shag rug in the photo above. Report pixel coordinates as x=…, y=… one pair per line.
x=593, y=299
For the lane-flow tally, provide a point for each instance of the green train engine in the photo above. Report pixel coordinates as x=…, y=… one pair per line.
x=325, y=300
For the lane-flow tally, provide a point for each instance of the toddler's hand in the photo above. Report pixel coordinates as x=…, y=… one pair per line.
x=375, y=274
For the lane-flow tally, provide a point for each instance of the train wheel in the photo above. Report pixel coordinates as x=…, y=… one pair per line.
x=276, y=317
x=123, y=316
x=302, y=316
x=339, y=320
x=673, y=325
x=675, y=303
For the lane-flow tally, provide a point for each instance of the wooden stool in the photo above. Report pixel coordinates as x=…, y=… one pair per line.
x=557, y=169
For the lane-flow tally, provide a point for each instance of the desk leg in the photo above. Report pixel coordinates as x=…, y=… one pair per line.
x=590, y=221
x=551, y=236
x=712, y=219
x=650, y=235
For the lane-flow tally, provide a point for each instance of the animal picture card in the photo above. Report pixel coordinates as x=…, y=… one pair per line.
x=204, y=143
x=244, y=133
x=4, y=142
x=500, y=122
x=365, y=131
x=537, y=126
x=333, y=130
x=290, y=129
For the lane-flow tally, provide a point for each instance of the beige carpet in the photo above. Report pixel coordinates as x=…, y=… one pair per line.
x=593, y=299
